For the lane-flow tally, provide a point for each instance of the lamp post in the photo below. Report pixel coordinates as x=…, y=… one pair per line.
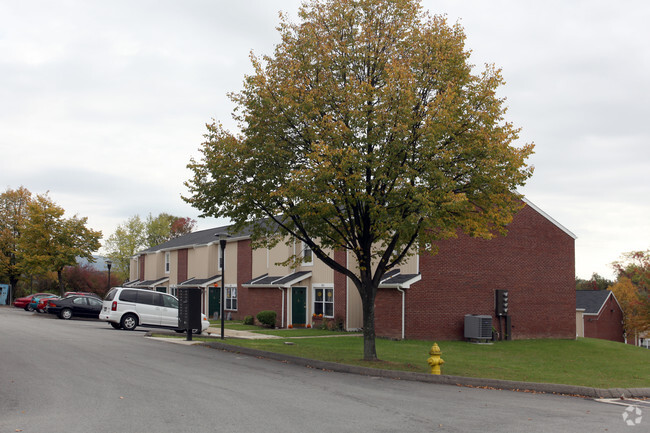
x=109, y=264
x=222, y=243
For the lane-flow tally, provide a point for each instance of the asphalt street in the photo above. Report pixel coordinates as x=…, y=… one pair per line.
x=84, y=376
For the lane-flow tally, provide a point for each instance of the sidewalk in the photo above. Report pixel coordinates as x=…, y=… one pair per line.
x=231, y=333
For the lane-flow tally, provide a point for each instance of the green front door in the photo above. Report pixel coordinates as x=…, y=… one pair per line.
x=299, y=306
x=214, y=300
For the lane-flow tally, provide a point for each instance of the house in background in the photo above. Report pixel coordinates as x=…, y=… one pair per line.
x=427, y=297
x=599, y=315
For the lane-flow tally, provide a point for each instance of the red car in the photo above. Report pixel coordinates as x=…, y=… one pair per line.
x=43, y=302
x=24, y=302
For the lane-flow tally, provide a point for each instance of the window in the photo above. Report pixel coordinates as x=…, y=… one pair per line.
x=79, y=301
x=231, y=298
x=170, y=301
x=324, y=301
x=307, y=255
x=167, y=262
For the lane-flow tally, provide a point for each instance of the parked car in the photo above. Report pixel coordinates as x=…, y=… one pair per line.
x=25, y=300
x=66, y=294
x=75, y=306
x=33, y=305
x=126, y=308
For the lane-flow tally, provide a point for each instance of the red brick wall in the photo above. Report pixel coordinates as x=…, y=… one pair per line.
x=245, y=299
x=535, y=262
x=182, y=265
x=141, y=260
x=608, y=325
x=340, y=282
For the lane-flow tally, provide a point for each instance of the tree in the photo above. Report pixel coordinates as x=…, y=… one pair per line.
x=135, y=235
x=127, y=239
x=366, y=131
x=632, y=289
x=636, y=311
x=13, y=213
x=158, y=229
x=51, y=242
x=596, y=282
x=182, y=226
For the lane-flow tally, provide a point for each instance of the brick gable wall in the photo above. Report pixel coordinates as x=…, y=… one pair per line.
x=535, y=262
x=608, y=325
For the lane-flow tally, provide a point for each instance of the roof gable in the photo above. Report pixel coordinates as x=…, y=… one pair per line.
x=592, y=301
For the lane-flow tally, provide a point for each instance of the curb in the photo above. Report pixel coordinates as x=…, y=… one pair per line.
x=530, y=387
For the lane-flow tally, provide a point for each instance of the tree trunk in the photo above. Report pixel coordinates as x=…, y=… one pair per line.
x=368, y=294
x=59, y=273
x=369, y=348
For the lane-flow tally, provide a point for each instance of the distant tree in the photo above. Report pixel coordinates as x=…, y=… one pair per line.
x=632, y=289
x=50, y=242
x=159, y=229
x=182, y=226
x=85, y=278
x=135, y=235
x=636, y=309
x=595, y=283
x=13, y=214
x=367, y=131
x=127, y=239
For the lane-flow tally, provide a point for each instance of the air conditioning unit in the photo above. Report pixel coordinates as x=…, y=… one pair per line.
x=478, y=327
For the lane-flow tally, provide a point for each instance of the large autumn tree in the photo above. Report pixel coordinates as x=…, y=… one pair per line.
x=50, y=242
x=367, y=131
x=13, y=215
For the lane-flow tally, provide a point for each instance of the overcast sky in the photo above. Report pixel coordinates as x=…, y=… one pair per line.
x=103, y=103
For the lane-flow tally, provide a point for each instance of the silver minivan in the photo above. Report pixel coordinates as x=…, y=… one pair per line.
x=126, y=308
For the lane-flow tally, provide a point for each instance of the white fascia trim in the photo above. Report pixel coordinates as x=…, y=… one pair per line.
x=548, y=217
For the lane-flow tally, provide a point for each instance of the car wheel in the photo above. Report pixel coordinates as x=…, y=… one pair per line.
x=116, y=325
x=28, y=308
x=196, y=331
x=65, y=314
x=129, y=322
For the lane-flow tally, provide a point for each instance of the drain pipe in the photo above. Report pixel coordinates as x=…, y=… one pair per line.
x=403, y=308
x=282, y=319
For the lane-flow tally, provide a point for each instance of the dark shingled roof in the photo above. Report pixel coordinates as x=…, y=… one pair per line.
x=200, y=282
x=591, y=300
x=278, y=281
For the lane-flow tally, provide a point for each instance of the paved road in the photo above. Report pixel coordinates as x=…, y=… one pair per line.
x=84, y=376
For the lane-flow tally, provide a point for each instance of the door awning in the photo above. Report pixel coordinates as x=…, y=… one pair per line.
x=280, y=281
x=200, y=282
x=396, y=280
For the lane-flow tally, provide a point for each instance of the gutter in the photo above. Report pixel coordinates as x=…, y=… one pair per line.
x=403, y=308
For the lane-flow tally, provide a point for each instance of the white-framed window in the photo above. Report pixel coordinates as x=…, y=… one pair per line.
x=231, y=298
x=324, y=301
x=307, y=255
x=167, y=261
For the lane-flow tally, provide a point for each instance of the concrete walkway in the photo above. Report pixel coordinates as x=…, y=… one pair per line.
x=231, y=333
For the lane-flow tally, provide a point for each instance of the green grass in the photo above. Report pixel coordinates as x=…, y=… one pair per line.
x=584, y=362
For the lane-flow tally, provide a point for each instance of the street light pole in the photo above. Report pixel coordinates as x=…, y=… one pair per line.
x=222, y=244
x=109, y=264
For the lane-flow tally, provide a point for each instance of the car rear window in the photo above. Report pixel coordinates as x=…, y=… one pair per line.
x=110, y=295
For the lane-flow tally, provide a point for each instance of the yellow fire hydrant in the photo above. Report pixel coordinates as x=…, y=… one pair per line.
x=435, y=361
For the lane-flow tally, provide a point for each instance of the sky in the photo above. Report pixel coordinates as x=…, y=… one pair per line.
x=104, y=103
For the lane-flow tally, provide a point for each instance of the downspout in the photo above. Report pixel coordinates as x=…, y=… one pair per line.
x=403, y=308
x=282, y=319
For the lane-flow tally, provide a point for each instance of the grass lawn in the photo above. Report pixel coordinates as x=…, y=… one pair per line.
x=584, y=362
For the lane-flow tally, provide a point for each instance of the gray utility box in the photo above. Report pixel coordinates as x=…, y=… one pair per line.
x=189, y=308
x=478, y=327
